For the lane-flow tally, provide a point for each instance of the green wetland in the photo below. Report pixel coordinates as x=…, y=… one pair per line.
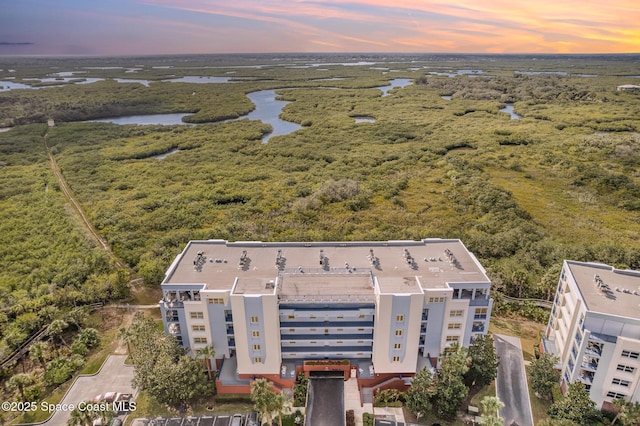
x=436, y=158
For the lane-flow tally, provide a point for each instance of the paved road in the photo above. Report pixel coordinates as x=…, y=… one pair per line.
x=511, y=382
x=114, y=376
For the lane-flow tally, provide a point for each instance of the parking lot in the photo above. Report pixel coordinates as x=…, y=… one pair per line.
x=218, y=420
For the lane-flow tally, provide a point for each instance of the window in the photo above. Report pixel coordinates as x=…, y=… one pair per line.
x=216, y=300
x=625, y=368
x=256, y=347
x=196, y=315
x=197, y=327
x=255, y=333
x=291, y=316
x=453, y=338
x=436, y=300
x=630, y=354
x=199, y=340
x=620, y=382
x=481, y=313
x=397, y=346
x=454, y=326
x=257, y=359
x=399, y=318
x=398, y=332
x=254, y=320
x=456, y=313
x=396, y=359
x=615, y=395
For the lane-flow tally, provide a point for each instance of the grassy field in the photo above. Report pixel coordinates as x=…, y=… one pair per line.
x=529, y=333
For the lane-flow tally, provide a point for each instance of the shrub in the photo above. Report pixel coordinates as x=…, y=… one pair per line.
x=367, y=419
x=351, y=418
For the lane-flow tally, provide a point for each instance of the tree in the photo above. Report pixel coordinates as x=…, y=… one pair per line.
x=450, y=387
x=19, y=382
x=177, y=379
x=490, y=411
x=280, y=406
x=38, y=353
x=484, y=361
x=576, y=406
x=126, y=334
x=628, y=412
x=89, y=337
x=57, y=328
x=544, y=376
x=418, y=397
x=264, y=398
x=161, y=367
x=206, y=354
x=557, y=422
x=79, y=417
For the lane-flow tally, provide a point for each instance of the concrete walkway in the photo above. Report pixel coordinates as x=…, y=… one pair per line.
x=114, y=376
x=352, y=400
x=511, y=382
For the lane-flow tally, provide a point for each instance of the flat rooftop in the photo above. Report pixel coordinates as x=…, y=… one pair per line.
x=301, y=268
x=620, y=297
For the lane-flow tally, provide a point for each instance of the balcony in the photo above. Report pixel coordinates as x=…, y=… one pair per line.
x=593, y=349
x=325, y=324
x=589, y=364
x=586, y=377
x=478, y=327
x=320, y=336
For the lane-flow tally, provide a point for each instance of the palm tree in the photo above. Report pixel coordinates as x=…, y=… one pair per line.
x=56, y=328
x=628, y=412
x=19, y=382
x=280, y=406
x=79, y=417
x=126, y=335
x=490, y=415
x=206, y=353
x=264, y=398
x=37, y=353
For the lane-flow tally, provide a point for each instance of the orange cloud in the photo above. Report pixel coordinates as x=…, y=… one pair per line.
x=436, y=25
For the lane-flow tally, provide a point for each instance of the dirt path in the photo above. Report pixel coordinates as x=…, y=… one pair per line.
x=76, y=206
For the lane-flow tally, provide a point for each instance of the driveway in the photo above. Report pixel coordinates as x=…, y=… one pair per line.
x=511, y=383
x=325, y=402
x=114, y=376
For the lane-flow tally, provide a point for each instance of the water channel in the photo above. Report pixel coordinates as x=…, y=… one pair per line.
x=509, y=110
x=268, y=107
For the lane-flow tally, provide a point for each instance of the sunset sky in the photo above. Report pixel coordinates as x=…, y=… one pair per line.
x=126, y=27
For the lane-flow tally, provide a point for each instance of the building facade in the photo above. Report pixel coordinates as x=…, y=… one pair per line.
x=594, y=329
x=386, y=308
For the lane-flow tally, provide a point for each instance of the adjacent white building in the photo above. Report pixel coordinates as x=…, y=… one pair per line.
x=594, y=329
x=387, y=308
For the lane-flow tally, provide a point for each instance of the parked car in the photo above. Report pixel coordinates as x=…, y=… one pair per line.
x=236, y=420
x=252, y=419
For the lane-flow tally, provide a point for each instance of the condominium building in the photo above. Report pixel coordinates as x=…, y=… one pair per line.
x=594, y=329
x=382, y=308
